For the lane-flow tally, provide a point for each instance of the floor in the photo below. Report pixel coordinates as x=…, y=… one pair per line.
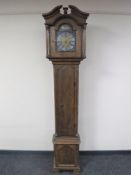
x=40, y=163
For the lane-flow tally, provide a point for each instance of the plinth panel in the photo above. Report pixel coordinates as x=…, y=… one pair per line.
x=66, y=152
x=66, y=155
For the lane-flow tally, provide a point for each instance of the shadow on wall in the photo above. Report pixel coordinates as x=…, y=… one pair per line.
x=93, y=70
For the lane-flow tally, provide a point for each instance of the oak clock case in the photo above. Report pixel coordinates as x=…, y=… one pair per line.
x=65, y=42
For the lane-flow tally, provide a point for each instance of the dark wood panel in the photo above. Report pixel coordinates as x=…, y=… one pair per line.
x=66, y=155
x=66, y=90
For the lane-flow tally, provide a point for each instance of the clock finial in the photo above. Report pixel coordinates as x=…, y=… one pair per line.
x=65, y=10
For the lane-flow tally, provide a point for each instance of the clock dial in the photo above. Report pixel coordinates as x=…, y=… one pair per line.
x=65, y=39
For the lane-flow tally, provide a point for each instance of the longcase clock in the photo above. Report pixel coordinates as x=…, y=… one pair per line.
x=65, y=38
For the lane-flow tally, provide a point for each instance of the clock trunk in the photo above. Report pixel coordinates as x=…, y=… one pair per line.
x=66, y=99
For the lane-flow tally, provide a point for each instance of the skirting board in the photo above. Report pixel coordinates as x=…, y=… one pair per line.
x=82, y=153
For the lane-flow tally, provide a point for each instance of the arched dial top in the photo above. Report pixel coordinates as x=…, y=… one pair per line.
x=65, y=38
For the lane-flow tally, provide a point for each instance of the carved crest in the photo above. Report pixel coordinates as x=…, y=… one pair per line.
x=65, y=12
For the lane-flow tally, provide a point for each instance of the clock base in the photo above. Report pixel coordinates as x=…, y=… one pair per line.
x=66, y=153
x=57, y=169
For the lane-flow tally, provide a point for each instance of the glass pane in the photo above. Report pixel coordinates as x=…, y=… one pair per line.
x=65, y=39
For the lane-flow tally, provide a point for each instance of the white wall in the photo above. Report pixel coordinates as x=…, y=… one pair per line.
x=40, y=6
x=105, y=84
x=26, y=84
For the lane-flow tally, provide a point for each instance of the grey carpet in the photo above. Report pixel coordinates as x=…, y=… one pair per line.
x=40, y=163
